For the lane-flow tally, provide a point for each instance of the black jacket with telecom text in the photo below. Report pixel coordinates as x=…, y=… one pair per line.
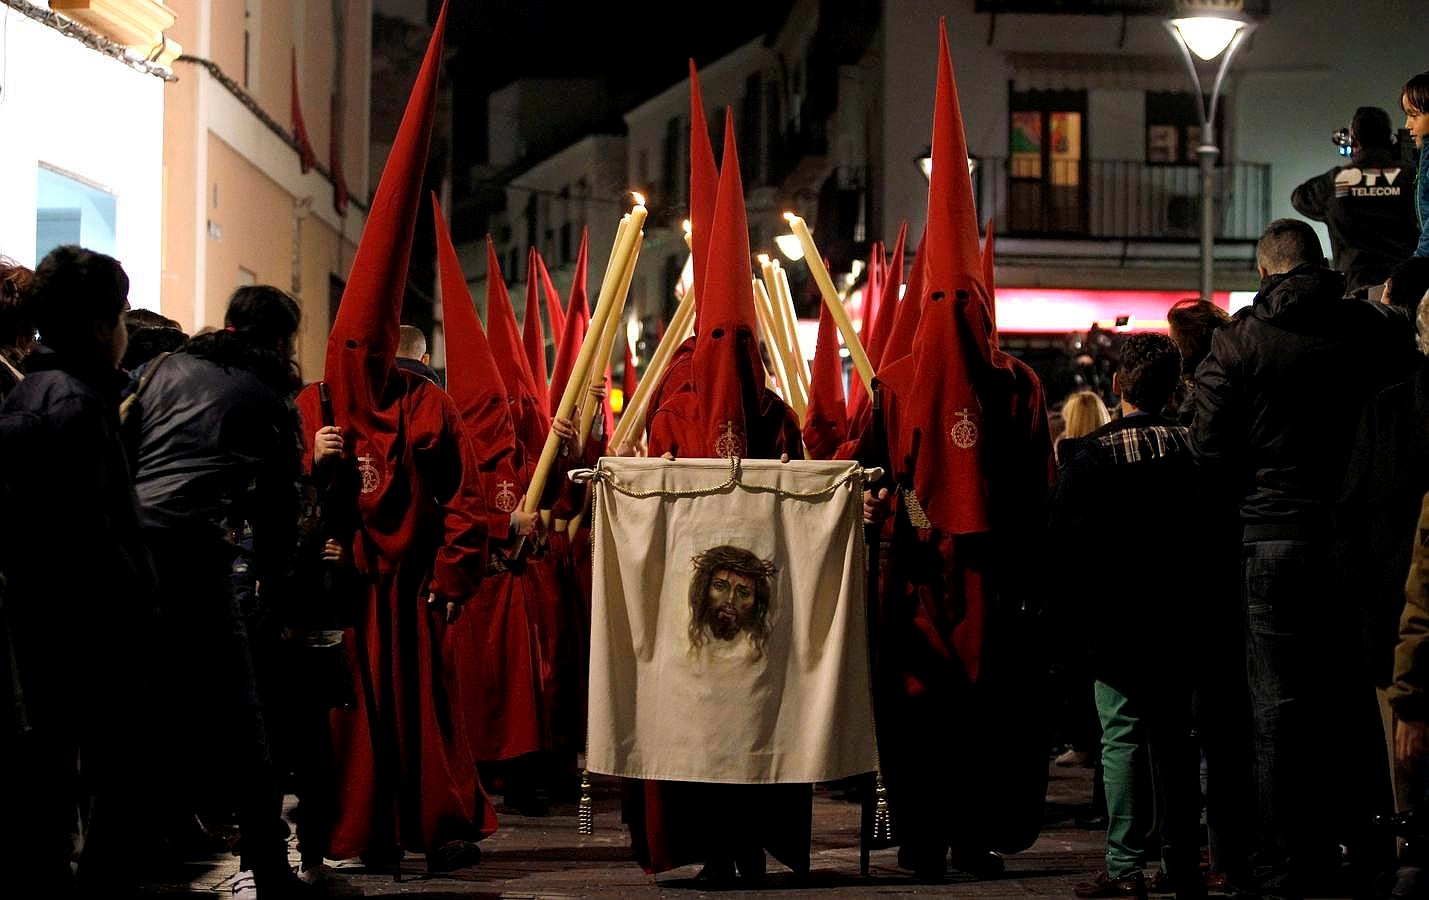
x=1368, y=207
x=1278, y=399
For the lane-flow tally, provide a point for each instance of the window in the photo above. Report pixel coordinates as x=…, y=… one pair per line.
x=70, y=211
x=1047, y=144
x=1173, y=127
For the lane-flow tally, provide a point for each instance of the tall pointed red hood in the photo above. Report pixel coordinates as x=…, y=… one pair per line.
x=362, y=346
x=728, y=374
x=888, y=305
x=704, y=185
x=577, y=317
x=888, y=309
x=826, y=422
x=989, y=279
x=473, y=380
x=505, y=339
x=910, y=310
x=950, y=349
x=555, y=315
x=533, y=338
x=872, y=297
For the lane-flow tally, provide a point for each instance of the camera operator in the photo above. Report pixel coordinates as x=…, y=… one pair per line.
x=1368, y=204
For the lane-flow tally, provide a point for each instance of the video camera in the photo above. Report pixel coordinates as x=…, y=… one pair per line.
x=1403, y=145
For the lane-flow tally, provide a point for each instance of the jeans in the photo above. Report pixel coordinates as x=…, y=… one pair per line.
x=1146, y=747
x=1315, y=725
x=1123, y=754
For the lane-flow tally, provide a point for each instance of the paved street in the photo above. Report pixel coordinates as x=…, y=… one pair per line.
x=546, y=858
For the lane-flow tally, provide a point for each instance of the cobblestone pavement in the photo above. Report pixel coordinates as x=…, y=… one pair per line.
x=546, y=858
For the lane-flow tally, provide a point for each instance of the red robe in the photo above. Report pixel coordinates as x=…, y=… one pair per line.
x=403, y=766
x=979, y=782
x=498, y=652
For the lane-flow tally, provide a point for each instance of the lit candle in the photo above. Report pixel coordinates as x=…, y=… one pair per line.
x=607, y=343
x=831, y=299
x=627, y=235
x=786, y=298
x=780, y=359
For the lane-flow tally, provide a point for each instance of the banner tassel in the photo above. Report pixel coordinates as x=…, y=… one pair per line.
x=585, y=816
x=882, y=823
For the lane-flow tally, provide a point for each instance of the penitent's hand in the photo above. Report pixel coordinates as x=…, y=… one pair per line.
x=564, y=429
x=453, y=610
x=524, y=524
x=875, y=506
x=1411, y=739
x=327, y=444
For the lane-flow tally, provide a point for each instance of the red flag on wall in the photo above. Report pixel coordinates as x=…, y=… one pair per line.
x=306, y=157
x=334, y=161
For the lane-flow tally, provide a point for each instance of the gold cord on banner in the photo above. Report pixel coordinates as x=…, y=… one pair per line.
x=735, y=479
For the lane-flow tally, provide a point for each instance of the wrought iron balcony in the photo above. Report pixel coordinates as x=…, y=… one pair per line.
x=1118, y=199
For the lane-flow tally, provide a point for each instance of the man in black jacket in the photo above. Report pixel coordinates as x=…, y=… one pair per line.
x=219, y=446
x=1277, y=402
x=1134, y=482
x=80, y=601
x=1367, y=204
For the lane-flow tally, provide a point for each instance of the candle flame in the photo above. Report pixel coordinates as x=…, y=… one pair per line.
x=789, y=217
x=687, y=226
x=639, y=198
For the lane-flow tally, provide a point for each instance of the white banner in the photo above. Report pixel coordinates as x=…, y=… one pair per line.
x=728, y=637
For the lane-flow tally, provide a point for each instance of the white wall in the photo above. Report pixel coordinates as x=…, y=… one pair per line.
x=90, y=116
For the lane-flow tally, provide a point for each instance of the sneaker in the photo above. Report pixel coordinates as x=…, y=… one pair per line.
x=1103, y=885
x=453, y=855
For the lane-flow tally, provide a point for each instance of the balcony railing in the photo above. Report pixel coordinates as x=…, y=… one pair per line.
x=1119, y=199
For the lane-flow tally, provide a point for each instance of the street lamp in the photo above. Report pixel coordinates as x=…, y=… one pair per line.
x=1209, y=29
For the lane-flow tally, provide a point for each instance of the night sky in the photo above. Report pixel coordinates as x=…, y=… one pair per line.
x=641, y=47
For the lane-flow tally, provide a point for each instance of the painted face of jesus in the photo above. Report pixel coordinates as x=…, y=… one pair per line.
x=731, y=607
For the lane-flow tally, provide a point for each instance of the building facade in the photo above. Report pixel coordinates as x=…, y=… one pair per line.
x=238, y=206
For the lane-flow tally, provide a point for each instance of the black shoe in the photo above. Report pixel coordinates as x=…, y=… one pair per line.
x=717, y=875
x=1412, y=823
x=382, y=860
x=929, y=865
x=750, y=864
x=980, y=864
x=453, y=855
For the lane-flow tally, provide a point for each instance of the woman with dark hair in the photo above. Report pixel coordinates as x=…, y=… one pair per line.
x=218, y=446
x=1414, y=99
x=17, y=331
x=1192, y=322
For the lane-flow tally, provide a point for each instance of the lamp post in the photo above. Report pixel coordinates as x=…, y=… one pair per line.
x=1208, y=29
